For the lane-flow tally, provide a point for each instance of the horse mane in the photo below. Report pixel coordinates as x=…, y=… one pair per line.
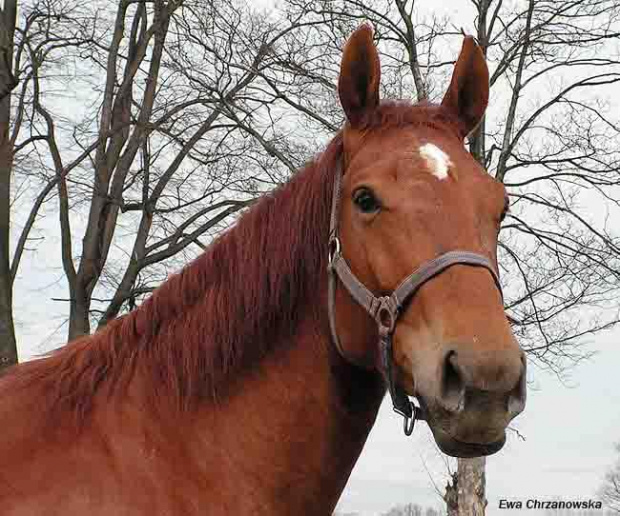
x=224, y=311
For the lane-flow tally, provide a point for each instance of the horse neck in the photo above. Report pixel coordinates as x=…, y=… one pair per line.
x=290, y=430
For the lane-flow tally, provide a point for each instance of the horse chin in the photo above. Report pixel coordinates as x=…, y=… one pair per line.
x=466, y=450
x=458, y=439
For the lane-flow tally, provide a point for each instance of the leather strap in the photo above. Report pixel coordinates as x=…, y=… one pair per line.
x=386, y=310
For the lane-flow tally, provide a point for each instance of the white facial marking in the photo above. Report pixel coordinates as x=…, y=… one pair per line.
x=438, y=161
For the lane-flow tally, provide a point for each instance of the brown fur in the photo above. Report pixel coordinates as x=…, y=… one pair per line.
x=223, y=393
x=210, y=320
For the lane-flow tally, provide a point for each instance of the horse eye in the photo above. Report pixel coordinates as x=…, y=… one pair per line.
x=366, y=201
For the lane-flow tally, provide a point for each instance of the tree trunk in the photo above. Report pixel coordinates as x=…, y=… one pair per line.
x=79, y=315
x=8, y=344
x=466, y=495
x=115, y=155
x=472, y=486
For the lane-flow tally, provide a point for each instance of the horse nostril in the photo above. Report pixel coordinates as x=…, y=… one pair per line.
x=516, y=398
x=452, y=385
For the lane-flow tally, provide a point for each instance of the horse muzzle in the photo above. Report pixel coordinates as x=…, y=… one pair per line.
x=470, y=402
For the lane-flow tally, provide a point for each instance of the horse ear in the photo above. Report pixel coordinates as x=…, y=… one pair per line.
x=468, y=94
x=360, y=72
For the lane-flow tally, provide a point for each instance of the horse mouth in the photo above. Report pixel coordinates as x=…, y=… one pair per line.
x=465, y=450
x=451, y=445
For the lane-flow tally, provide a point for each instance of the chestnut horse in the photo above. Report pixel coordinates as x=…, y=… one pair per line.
x=225, y=392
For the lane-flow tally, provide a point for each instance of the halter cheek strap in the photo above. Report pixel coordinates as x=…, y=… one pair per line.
x=386, y=310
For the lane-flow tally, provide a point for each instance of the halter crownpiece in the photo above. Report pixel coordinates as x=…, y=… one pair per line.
x=387, y=309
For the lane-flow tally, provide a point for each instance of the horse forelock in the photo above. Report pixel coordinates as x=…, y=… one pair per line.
x=401, y=113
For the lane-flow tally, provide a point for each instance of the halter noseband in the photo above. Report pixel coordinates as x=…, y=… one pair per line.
x=386, y=310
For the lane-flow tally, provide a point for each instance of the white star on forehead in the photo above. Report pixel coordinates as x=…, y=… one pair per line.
x=438, y=161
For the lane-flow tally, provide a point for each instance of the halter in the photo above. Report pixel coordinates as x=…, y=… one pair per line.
x=387, y=309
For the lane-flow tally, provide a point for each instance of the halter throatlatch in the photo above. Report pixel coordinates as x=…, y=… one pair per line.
x=386, y=310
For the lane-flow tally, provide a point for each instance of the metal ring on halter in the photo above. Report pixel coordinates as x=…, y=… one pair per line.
x=386, y=316
x=409, y=422
x=333, y=248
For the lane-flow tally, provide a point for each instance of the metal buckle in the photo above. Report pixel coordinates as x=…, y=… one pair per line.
x=408, y=420
x=333, y=249
x=386, y=316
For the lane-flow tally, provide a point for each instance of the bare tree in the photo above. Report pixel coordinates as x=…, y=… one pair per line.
x=410, y=509
x=184, y=133
x=221, y=122
x=8, y=344
x=610, y=491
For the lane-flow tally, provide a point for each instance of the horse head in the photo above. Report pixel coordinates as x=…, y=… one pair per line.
x=411, y=192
